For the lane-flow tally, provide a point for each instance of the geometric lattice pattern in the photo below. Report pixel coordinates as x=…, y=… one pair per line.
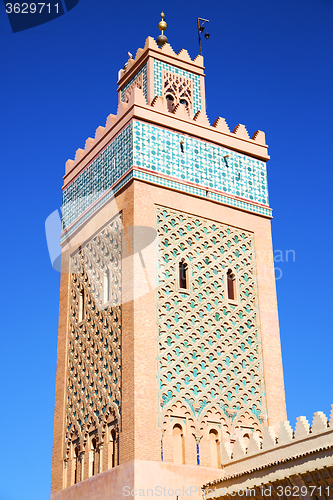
x=179, y=87
x=199, y=162
x=94, y=349
x=198, y=166
x=140, y=76
x=98, y=176
x=209, y=349
x=159, y=66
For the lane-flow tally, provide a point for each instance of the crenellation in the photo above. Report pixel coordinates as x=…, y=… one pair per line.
x=254, y=444
x=285, y=433
x=168, y=50
x=79, y=155
x=184, y=55
x=286, y=436
x=138, y=54
x=130, y=63
x=201, y=118
x=69, y=165
x=150, y=43
x=302, y=429
x=199, y=60
x=259, y=136
x=110, y=121
x=269, y=438
x=239, y=450
x=331, y=418
x=99, y=133
x=241, y=131
x=89, y=144
x=221, y=125
x=319, y=422
x=121, y=110
x=159, y=104
x=180, y=112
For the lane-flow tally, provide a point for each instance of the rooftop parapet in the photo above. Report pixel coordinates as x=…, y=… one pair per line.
x=157, y=112
x=273, y=448
x=166, y=53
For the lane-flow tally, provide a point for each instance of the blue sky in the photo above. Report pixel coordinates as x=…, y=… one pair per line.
x=268, y=65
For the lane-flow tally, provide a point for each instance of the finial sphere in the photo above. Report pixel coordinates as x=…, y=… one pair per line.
x=161, y=40
x=162, y=25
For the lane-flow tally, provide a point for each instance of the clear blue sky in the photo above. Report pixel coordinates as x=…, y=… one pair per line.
x=269, y=66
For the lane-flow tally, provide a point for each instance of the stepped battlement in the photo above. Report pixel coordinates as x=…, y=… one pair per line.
x=199, y=126
x=271, y=440
x=277, y=458
x=165, y=53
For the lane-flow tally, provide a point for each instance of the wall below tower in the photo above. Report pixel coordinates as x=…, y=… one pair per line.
x=143, y=479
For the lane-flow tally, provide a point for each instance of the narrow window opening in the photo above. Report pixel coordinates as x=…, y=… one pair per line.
x=183, y=275
x=182, y=146
x=184, y=101
x=81, y=306
x=231, y=285
x=214, y=449
x=76, y=464
x=112, y=450
x=92, y=458
x=178, y=444
x=226, y=160
x=238, y=176
x=170, y=102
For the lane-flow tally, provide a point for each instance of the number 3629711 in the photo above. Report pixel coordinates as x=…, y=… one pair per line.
x=31, y=8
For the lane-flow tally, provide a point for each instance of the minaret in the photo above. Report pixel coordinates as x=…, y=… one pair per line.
x=168, y=329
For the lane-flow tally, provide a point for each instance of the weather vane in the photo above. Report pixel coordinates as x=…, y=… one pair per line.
x=162, y=26
x=202, y=29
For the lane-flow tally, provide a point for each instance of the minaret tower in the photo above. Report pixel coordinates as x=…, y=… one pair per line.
x=168, y=331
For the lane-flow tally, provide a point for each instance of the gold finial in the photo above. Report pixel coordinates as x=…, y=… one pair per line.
x=162, y=26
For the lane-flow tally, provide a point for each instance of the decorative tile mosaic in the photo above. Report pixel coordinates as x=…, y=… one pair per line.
x=187, y=164
x=98, y=177
x=209, y=349
x=159, y=66
x=142, y=71
x=193, y=160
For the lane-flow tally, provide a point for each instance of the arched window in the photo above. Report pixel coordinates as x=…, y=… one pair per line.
x=81, y=306
x=246, y=438
x=75, y=464
x=183, y=275
x=112, y=449
x=106, y=286
x=178, y=444
x=170, y=102
x=214, y=443
x=92, y=458
x=231, y=285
